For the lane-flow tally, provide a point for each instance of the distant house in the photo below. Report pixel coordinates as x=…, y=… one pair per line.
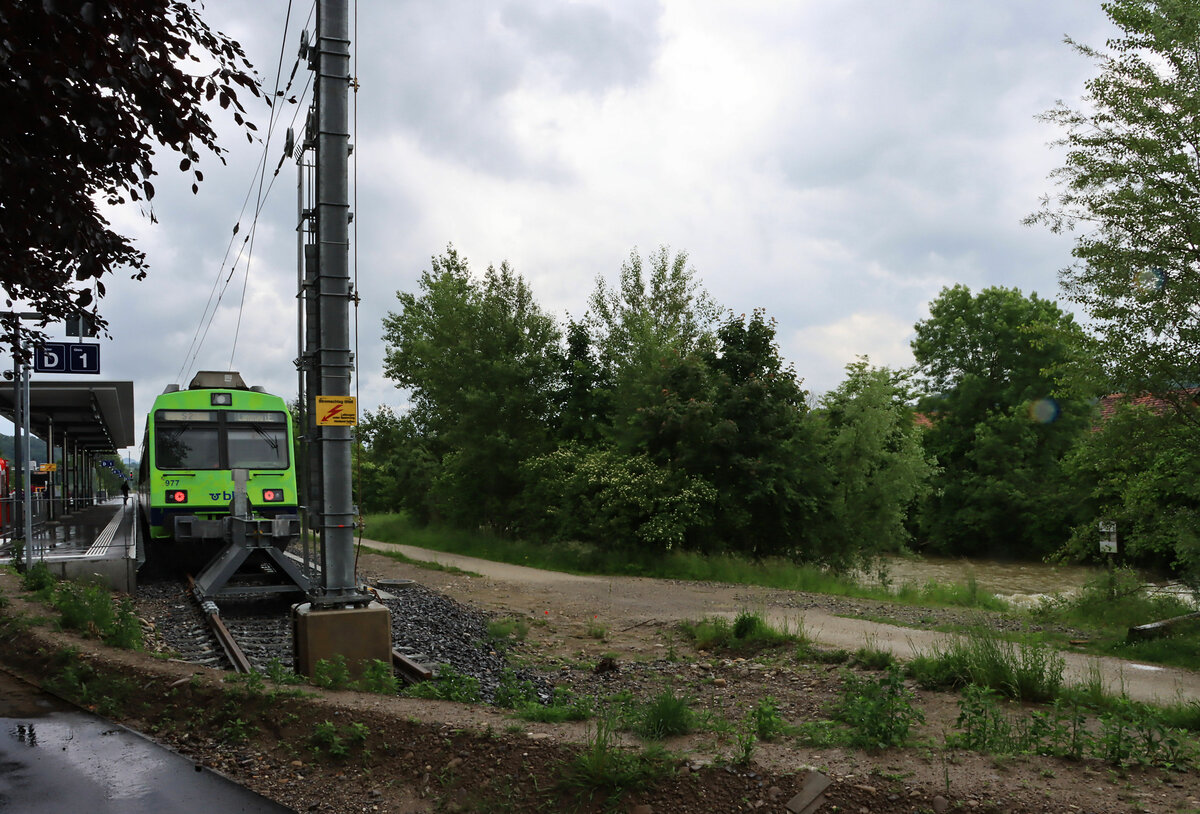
x=1157, y=405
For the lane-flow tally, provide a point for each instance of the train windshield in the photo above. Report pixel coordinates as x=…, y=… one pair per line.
x=257, y=440
x=186, y=445
x=220, y=439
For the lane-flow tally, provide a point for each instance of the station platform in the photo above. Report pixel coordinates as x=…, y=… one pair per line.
x=96, y=544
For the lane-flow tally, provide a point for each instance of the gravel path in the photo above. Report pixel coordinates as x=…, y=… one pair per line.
x=625, y=602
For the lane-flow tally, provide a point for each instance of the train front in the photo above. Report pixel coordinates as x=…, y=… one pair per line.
x=195, y=438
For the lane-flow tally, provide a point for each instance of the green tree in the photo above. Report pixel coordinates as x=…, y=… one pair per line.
x=995, y=367
x=86, y=87
x=657, y=315
x=1140, y=470
x=482, y=363
x=584, y=398
x=761, y=450
x=1130, y=186
x=395, y=467
x=875, y=458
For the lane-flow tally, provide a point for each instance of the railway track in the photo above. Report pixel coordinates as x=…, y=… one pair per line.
x=254, y=633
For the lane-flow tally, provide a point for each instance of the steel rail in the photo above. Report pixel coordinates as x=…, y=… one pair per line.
x=410, y=671
x=229, y=646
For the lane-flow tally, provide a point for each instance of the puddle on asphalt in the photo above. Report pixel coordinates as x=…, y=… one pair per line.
x=55, y=758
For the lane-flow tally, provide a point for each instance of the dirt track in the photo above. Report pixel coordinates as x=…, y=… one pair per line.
x=623, y=603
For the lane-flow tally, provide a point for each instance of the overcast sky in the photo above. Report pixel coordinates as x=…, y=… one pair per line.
x=836, y=163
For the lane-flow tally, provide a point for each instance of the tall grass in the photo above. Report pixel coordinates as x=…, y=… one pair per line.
x=1024, y=671
x=581, y=558
x=1111, y=604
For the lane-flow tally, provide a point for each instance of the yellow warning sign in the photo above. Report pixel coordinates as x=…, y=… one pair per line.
x=48, y=468
x=337, y=411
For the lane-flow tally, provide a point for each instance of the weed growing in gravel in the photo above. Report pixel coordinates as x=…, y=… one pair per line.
x=872, y=658
x=79, y=682
x=807, y=652
x=602, y=767
x=378, y=677
x=1128, y=733
x=89, y=609
x=336, y=743
x=597, y=631
x=513, y=692
x=37, y=579
x=765, y=720
x=667, y=715
x=879, y=712
x=749, y=633
x=510, y=627
x=746, y=739
x=563, y=706
x=450, y=685
x=278, y=673
x=1026, y=671
x=332, y=674
x=236, y=730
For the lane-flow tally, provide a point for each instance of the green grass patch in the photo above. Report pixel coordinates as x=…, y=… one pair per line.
x=427, y=565
x=450, y=685
x=502, y=630
x=603, y=769
x=748, y=633
x=1114, y=601
x=1027, y=671
x=563, y=706
x=580, y=558
x=1108, y=606
x=665, y=716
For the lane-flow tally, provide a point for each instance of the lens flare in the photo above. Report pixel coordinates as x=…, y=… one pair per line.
x=1149, y=281
x=1044, y=411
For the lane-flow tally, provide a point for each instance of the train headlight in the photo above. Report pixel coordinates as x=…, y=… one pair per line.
x=221, y=400
x=176, y=496
x=272, y=495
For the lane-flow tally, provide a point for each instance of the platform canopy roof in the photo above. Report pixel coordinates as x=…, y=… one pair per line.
x=95, y=416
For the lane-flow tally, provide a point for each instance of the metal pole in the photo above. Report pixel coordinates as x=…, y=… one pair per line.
x=52, y=476
x=28, y=480
x=18, y=424
x=303, y=365
x=334, y=293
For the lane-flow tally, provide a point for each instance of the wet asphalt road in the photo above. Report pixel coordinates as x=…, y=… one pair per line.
x=55, y=758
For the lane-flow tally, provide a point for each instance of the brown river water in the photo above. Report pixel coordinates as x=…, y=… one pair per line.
x=1022, y=583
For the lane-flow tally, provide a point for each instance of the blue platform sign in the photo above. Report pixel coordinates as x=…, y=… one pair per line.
x=67, y=357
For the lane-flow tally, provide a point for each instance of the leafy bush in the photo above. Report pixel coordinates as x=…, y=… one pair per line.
x=606, y=496
x=89, y=609
x=513, y=692
x=378, y=677
x=765, y=720
x=879, y=712
x=332, y=674
x=37, y=578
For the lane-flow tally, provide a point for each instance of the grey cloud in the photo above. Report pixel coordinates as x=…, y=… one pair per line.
x=446, y=69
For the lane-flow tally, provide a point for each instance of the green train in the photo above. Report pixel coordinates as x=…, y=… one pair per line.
x=194, y=438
